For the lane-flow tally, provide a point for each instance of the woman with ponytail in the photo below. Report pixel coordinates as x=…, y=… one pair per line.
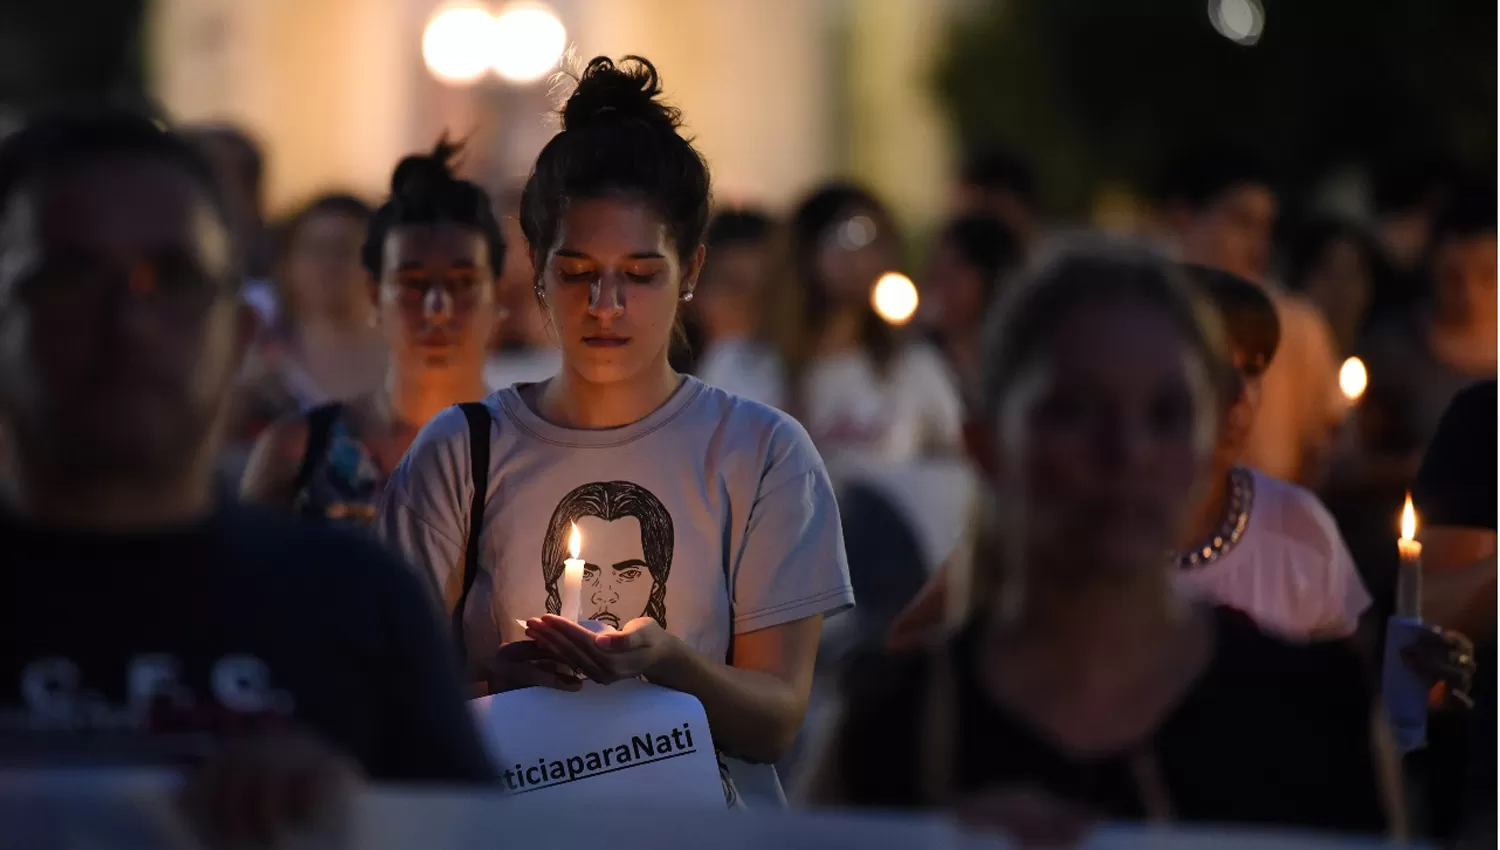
x=1078, y=685
x=707, y=521
x=433, y=253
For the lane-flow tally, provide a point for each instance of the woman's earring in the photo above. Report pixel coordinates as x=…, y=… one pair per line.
x=687, y=296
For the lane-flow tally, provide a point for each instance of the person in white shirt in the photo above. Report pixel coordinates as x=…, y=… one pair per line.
x=728, y=309
x=1255, y=543
x=858, y=386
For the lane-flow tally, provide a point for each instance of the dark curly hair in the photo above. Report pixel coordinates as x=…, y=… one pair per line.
x=618, y=139
x=425, y=191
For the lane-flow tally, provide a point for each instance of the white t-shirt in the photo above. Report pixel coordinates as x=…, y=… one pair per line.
x=913, y=411
x=1290, y=570
x=714, y=515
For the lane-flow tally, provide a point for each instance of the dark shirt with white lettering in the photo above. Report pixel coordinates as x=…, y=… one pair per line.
x=214, y=628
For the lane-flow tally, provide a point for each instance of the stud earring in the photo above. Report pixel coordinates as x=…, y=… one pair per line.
x=687, y=296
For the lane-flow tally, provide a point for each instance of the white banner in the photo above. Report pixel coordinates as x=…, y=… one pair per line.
x=625, y=741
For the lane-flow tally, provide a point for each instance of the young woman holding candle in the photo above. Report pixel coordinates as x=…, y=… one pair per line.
x=1082, y=687
x=709, y=532
x=433, y=253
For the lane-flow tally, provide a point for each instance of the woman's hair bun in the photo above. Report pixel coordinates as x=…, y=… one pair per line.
x=626, y=91
x=420, y=174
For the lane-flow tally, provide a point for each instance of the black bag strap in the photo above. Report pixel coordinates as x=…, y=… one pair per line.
x=320, y=422
x=479, y=462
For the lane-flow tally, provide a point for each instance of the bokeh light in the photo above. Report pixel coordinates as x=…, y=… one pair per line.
x=459, y=44
x=1353, y=379
x=1240, y=21
x=529, y=41
x=894, y=298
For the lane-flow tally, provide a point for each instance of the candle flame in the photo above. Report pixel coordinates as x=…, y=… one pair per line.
x=575, y=543
x=1408, y=521
x=894, y=298
x=1353, y=379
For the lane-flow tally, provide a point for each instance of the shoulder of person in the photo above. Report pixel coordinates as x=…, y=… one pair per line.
x=444, y=440
x=746, y=421
x=1478, y=400
x=286, y=438
x=1296, y=515
x=318, y=558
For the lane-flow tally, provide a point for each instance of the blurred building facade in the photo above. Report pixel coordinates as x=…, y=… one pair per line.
x=777, y=93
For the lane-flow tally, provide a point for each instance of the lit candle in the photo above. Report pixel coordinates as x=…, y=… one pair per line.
x=1409, y=579
x=1353, y=379
x=572, y=580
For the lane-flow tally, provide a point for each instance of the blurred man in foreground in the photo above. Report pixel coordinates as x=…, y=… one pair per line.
x=139, y=612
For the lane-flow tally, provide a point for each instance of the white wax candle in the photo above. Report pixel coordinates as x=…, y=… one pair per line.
x=572, y=579
x=1409, y=578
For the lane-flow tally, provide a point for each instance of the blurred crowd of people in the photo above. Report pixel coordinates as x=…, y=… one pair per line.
x=1122, y=548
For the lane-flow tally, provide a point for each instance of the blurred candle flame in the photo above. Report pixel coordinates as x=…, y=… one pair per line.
x=1408, y=521
x=894, y=298
x=1353, y=379
x=575, y=543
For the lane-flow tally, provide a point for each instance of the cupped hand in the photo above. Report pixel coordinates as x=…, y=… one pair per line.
x=526, y=664
x=631, y=651
x=259, y=789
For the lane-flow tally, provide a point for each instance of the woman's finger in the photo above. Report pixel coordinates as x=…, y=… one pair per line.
x=569, y=652
x=575, y=634
x=522, y=650
x=550, y=674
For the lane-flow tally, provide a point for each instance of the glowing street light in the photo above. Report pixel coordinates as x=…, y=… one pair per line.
x=529, y=41
x=1353, y=379
x=894, y=298
x=458, y=44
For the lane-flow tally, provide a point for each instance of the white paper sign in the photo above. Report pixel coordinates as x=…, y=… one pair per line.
x=622, y=741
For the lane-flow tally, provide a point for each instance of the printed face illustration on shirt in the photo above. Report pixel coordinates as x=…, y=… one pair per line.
x=627, y=541
x=617, y=581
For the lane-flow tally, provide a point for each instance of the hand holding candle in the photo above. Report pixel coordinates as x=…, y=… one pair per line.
x=1404, y=690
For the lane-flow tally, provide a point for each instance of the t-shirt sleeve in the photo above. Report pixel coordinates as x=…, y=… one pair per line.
x=423, y=514
x=1456, y=484
x=429, y=734
x=791, y=564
